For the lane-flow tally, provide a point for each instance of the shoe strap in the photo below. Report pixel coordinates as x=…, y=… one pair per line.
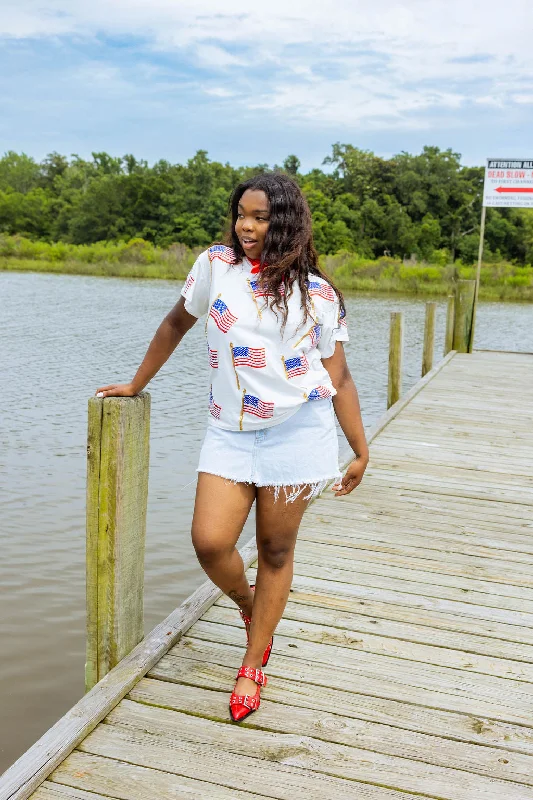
x=253, y=674
x=245, y=619
x=247, y=700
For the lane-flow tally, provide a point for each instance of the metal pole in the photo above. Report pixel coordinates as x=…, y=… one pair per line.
x=478, y=275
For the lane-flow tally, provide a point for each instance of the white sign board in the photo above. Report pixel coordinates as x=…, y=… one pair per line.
x=508, y=183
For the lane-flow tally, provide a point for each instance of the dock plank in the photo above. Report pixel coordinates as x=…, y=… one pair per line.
x=403, y=666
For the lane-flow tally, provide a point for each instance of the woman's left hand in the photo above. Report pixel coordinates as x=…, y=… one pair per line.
x=351, y=478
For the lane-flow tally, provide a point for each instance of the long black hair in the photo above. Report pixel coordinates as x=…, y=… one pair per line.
x=289, y=255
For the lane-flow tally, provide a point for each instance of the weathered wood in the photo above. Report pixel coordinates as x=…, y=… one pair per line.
x=236, y=771
x=119, y=779
x=397, y=622
x=94, y=436
x=429, y=338
x=313, y=627
x=313, y=755
x=340, y=558
x=379, y=676
x=464, y=307
x=394, y=389
x=370, y=543
x=515, y=542
x=402, y=403
x=454, y=619
x=503, y=609
x=55, y=791
x=20, y=780
x=353, y=702
x=117, y=491
x=450, y=319
x=497, y=696
x=422, y=596
x=417, y=587
x=380, y=737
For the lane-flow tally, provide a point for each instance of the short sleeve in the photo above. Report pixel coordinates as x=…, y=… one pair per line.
x=197, y=286
x=334, y=328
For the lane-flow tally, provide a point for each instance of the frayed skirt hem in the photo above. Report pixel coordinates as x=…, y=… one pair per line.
x=292, y=491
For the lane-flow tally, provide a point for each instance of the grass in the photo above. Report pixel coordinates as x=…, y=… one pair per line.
x=351, y=272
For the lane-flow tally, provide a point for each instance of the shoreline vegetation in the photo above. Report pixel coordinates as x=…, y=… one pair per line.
x=408, y=224
x=137, y=258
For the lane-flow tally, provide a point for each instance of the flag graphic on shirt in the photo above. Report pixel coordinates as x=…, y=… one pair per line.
x=260, y=291
x=226, y=254
x=319, y=393
x=259, y=408
x=188, y=283
x=314, y=333
x=222, y=316
x=295, y=366
x=213, y=358
x=321, y=289
x=257, y=289
x=214, y=409
x=342, y=317
x=249, y=357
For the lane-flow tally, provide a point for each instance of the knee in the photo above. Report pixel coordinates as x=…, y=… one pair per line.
x=208, y=550
x=274, y=553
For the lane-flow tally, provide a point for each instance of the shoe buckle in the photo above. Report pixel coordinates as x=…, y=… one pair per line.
x=246, y=702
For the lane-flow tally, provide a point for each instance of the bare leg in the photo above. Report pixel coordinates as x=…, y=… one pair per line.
x=277, y=524
x=220, y=511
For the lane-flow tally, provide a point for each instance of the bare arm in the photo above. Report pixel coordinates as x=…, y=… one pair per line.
x=348, y=411
x=166, y=339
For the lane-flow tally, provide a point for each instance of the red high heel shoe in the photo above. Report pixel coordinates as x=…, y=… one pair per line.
x=242, y=705
x=247, y=620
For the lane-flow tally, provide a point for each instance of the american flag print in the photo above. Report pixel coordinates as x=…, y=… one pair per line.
x=226, y=254
x=259, y=408
x=321, y=289
x=213, y=358
x=259, y=291
x=188, y=283
x=342, y=318
x=249, y=357
x=214, y=409
x=314, y=334
x=295, y=366
x=222, y=316
x=319, y=393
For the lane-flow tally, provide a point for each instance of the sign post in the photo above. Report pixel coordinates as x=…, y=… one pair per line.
x=508, y=184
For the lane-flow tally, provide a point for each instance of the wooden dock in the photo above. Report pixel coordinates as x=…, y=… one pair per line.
x=403, y=666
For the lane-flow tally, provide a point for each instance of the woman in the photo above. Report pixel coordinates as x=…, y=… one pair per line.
x=275, y=327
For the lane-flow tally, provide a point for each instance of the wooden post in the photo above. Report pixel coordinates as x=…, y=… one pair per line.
x=117, y=493
x=464, y=308
x=478, y=276
x=450, y=318
x=429, y=338
x=395, y=358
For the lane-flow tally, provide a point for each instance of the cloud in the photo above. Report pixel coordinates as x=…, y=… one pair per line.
x=343, y=65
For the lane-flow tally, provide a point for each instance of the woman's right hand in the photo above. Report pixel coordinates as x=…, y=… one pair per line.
x=116, y=390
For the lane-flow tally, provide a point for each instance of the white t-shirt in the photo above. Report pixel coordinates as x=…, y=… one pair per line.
x=259, y=376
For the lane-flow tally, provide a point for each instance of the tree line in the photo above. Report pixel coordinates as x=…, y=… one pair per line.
x=427, y=205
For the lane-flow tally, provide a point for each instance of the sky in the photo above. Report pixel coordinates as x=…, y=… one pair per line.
x=253, y=82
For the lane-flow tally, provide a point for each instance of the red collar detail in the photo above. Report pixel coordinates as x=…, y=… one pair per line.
x=256, y=264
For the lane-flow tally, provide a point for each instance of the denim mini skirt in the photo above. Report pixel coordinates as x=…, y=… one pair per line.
x=300, y=454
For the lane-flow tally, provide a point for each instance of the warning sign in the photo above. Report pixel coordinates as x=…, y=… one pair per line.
x=508, y=183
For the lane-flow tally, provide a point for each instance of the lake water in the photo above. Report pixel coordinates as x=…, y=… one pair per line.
x=61, y=337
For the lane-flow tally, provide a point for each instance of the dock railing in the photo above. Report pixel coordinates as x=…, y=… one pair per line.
x=458, y=337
